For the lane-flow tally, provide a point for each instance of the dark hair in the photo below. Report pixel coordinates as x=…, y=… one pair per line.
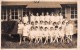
x=36, y=21
x=60, y=27
x=41, y=27
x=63, y=22
x=56, y=26
x=51, y=27
x=54, y=22
x=36, y=26
x=45, y=27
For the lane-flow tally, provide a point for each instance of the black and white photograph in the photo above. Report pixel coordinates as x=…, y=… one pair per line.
x=39, y=24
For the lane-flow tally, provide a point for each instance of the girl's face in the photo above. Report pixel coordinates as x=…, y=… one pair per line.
x=51, y=28
x=51, y=14
x=67, y=23
x=37, y=14
x=25, y=24
x=42, y=14
x=47, y=13
x=54, y=24
x=63, y=22
x=45, y=29
x=60, y=14
x=33, y=29
x=20, y=22
x=41, y=28
x=57, y=23
x=36, y=28
x=36, y=22
x=32, y=23
x=55, y=28
x=70, y=21
x=60, y=28
x=40, y=22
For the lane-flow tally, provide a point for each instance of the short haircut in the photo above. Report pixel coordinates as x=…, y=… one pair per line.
x=60, y=27
x=36, y=26
x=56, y=26
x=36, y=21
x=46, y=28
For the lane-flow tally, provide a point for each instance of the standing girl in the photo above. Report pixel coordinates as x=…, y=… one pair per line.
x=20, y=30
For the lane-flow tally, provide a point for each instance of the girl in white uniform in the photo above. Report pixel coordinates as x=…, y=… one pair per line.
x=47, y=17
x=70, y=29
x=54, y=24
x=37, y=22
x=41, y=33
x=42, y=18
x=51, y=33
x=25, y=31
x=52, y=18
x=59, y=24
x=20, y=30
x=60, y=18
x=56, y=34
x=66, y=20
x=56, y=18
x=32, y=18
x=37, y=34
x=67, y=32
x=25, y=19
x=46, y=34
x=32, y=34
x=64, y=27
x=61, y=34
x=37, y=18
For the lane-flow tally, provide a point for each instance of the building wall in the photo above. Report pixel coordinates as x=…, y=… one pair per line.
x=69, y=11
x=13, y=13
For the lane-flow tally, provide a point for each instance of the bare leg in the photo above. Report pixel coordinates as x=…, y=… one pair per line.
x=62, y=39
x=51, y=40
x=68, y=38
x=20, y=39
x=35, y=40
x=30, y=41
x=71, y=37
x=39, y=40
x=54, y=39
x=57, y=40
x=24, y=39
x=45, y=41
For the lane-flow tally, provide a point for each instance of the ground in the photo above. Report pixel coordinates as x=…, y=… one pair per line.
x=8, y=42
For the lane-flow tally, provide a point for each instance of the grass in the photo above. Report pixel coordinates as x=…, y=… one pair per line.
x=8, y=42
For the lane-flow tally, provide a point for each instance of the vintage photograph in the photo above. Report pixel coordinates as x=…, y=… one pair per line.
x=38, y=24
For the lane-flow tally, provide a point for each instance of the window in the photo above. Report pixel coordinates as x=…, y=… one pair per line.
x=4, y=14
x=9, y=13
x=73, y=12
x=63, y=12
x=72, y=16
x=14, y=13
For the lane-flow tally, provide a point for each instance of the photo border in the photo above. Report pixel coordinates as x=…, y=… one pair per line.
x=78, y=13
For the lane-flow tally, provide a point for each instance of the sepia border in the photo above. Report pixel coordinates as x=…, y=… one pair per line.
x=78, y=13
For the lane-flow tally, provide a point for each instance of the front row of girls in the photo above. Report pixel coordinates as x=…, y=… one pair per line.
x=55, y=31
